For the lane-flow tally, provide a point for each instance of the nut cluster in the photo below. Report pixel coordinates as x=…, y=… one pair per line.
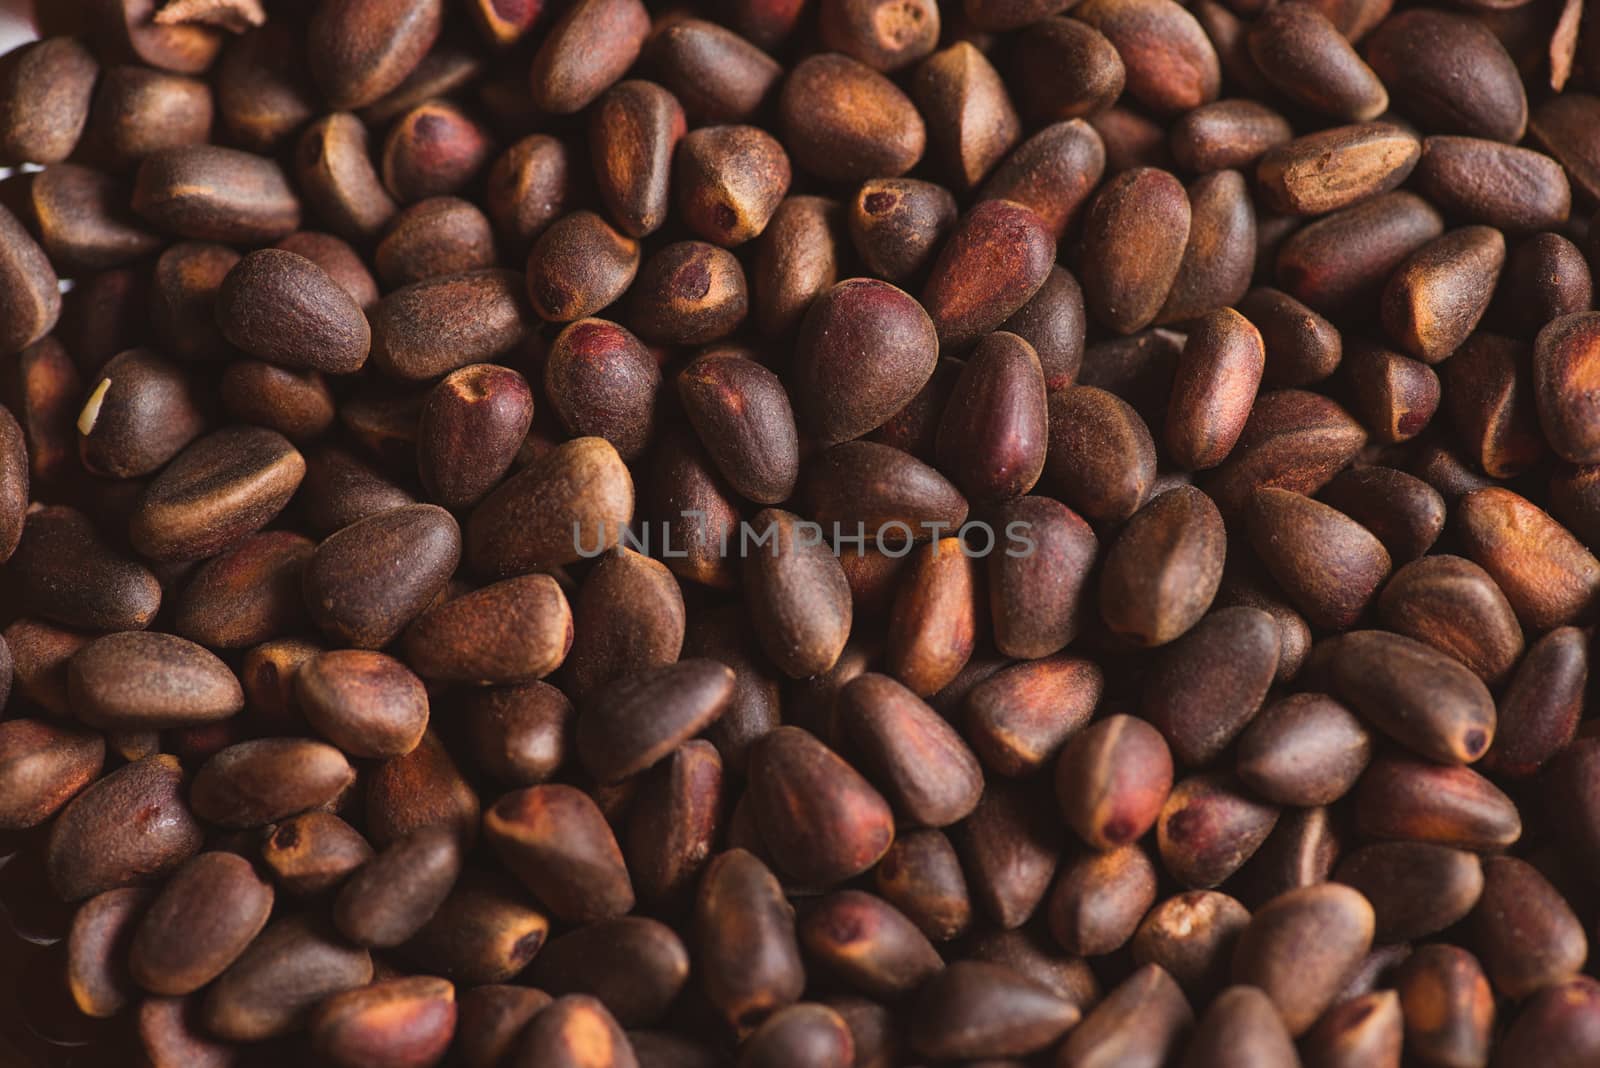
x=848, y=534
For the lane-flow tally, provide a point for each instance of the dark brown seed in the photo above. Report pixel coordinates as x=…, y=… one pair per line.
x=674, y=821
x=1300, y=947
x=519, y=735
x=1546, y=574
x=1416, y=889
x=1101, y=458
x=688, y=293
x=995, y=428
x=638, y=719
x=1419, y=696
x=1328, y=564
x=13, y=485
x=1303, y=750
x=473, y=422
x=1227, y=134
x=556, y=841
x=433, y=150
x=629, y=616
x=140, y=413
x=1220, y=253
x=728, y=181
x=921, y=876
x=1453, y=605
x=1134, y=236
x=797, y=260
x=1171, y=64
x=869, y=944
x=1191, y=936
x=1447, y=1004
x=1557, y=1026
x=974, y=1009
x=366, y=703
x=797, y=594
x=204, y=917
x=822, y=821
x=719, y=76
x=1208, y=829
x=845, y=122
x=578, y=266
x=1293, y=440
x=1213, y=389
x=1335, y=168
x=97, y=948
x=1499, y=185
x=209, y=193
x=745, y=942
x=390, y=897
x=312, y=853
x=574, y=1031
x=1564, y=354
x=1452, y=74
x=218, y=490
x=1065, y=69
x=1163, y=570
x=1019, y=717
x=1415, y=801
x=896, y=224
x=1098, y=900
x=588, y=49
x=439, y=235
x=1112, y=780
x=337, y=176
x=366, y=582
x=569, y=504
x=263, y=87
x=46, y=86
x=971, y=122
x=632, y=965
x=1405, y=513
x=1037, y=595
x=83, y=221
x=741, y=413
x=490, y=1018
x=933, y=623
x=66, y=573
x=424, y=788
x=1052, y=173
x=1241, y=1028
x=884, y=35
x=38, y=653
x=430, y=328
x=1332, y=262
x=286, y=310
x=1305, y=57
x=1204, y=689
x=1558, y=126
x=1010, y=847
x=128, y=828
x=32, y=301
x=512, y=631
x=485, y=932
x=1302, y=347
x=359, y=50
x=633, y=131
x=401, y=1021
x=603, y=382
x=140, y=680
x=918, y=759
x=1539, y=710
x=275, y=986
x=856, y=321
x=1434, y=300
x=1395, y=395
x=1140, y=1024
x=255, y=783
x=1547, y=279
x=1525, y=930
x=297, y=404
x=45, y=766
